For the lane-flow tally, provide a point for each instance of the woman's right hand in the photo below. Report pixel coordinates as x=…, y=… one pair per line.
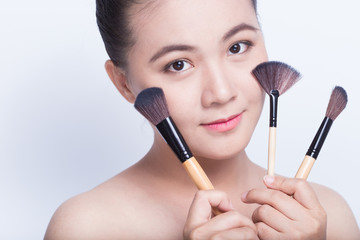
x=201, y=224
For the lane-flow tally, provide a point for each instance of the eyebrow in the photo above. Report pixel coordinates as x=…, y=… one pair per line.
x=182, y=47
x=238, y=28
x=171, y=48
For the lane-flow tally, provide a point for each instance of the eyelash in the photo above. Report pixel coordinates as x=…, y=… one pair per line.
x=169, y=65
x=248, y=44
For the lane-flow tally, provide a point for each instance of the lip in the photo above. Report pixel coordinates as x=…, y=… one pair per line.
x=224, y=125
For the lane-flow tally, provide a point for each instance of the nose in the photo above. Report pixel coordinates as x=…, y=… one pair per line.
x=218, y=87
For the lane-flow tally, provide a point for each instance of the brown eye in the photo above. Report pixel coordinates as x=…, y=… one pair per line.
x=178, y=66
x=239, y=48
x=235, y=48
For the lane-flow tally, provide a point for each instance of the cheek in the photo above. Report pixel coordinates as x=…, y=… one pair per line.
x=136, y=82
x=258, y=95
x=253, y=95
x=183, y=104
x=256, y=101
x=249, y=89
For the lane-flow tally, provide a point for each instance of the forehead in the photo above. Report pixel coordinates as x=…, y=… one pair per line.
x=173, y=21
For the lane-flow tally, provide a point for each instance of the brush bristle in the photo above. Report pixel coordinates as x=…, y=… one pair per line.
x=337, y=103
x=151, y=103
x=276, y=76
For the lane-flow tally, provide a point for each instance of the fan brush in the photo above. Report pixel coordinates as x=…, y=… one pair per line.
x=275, y=78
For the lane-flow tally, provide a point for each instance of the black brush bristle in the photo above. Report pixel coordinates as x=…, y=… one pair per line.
x=275, y=75
x=337, y=103
x=151, y=103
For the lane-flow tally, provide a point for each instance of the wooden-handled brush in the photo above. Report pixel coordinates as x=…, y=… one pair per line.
x=275, y=78
x=151, y=103
x=336, y=105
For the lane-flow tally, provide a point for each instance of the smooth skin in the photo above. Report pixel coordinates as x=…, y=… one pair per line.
x=201, y=54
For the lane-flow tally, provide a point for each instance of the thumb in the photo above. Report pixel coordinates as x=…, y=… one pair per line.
x=201, y=208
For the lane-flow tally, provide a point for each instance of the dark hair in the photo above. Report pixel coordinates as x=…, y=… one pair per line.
x=114, y=25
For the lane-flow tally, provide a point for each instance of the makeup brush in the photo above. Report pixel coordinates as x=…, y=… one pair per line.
x=275, y=78
x=151, y=103
x=336, y=105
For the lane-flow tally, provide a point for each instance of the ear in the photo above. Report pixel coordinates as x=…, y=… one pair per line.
x=118, y=77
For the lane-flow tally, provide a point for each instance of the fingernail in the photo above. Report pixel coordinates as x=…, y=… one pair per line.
x=231, y=205
x=244, y=195
x=269, y=179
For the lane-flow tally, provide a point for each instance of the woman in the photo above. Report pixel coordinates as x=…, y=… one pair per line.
x=201, y=54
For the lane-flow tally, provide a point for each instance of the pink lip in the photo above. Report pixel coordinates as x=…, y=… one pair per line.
x=224, y=125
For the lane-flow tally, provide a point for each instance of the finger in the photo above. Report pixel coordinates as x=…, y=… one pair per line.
x=201, y=207
x=223, y=222
x=266, y=232
x=278, y=200
x=229, y=220
x=271, y=217
x=236, y=234
x=298, y=188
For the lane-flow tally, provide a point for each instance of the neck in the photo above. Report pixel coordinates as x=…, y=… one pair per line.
x=228, y=173
x=225, y=174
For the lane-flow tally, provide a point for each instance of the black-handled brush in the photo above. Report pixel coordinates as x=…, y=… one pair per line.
x=275, y=78
x=336, y=105
x=151, y=103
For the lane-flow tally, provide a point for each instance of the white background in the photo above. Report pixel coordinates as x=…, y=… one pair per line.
x=64, y=128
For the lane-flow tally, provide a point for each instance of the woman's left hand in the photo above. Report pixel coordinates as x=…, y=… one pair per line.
x=289, y=210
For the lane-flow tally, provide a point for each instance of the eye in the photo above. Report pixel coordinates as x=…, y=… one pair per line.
x=178, y=66
x=239, y=48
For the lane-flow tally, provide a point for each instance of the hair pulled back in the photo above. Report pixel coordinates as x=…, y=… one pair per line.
x=114, y=25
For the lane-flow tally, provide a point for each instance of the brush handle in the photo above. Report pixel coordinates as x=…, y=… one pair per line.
x=197, y=174
x=274, y=97
x=319, y=139
x=176, y=142
x=199, y=177
x=271, y=151
x=174, y=139
x=314, y=149
x=305, y=167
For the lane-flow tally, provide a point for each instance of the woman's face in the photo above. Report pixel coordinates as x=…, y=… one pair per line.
x=201, y=53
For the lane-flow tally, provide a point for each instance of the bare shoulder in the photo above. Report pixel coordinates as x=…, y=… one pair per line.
x=85, y=215
x=113, y=210
x=72, y=218
x=340, y=219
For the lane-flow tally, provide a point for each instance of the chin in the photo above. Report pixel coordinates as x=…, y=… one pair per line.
x=218, y=156
x=223, y=151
